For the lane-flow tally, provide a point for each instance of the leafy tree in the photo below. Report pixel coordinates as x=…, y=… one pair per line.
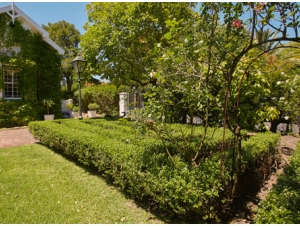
x=225, y=55
x=67, y=37
x=282, y=72
x=120, y=37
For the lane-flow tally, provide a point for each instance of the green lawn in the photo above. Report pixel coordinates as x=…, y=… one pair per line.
x=39, y=186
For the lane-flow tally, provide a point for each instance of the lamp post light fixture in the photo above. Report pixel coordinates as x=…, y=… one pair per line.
x=79, y=65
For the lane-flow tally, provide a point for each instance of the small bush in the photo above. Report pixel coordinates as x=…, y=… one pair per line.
x=17, y=113
x=93, y=106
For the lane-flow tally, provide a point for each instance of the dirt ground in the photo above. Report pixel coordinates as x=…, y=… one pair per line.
x=288, y=144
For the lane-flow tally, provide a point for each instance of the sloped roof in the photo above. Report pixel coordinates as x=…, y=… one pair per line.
x=30, y=24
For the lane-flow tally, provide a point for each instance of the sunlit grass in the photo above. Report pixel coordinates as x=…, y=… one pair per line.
x=39, y=186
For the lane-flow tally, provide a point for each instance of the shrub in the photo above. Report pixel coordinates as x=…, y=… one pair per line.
x=93, y=106
x=105, y=95
x=139, y=165
x=17, y=113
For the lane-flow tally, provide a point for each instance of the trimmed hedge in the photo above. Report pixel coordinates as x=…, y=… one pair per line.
x=144, y=170
x=282, y=204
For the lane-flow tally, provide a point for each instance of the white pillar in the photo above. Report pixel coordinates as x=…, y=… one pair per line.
x=124, y=104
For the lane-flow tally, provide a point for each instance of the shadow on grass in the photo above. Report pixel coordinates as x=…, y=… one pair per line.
x=147, y=205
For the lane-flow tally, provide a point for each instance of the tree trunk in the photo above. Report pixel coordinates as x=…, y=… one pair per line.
x=274, y=125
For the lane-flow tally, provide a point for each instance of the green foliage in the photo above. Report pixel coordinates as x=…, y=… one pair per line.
x=93, y=106
x=75, y=108
x=137, y=163
x=105, y=96
x=17, y=113
x=70, y=106
x=40, y=65
x=281, y=205
x=120, y=37
x=67, y=37
x=48, y=103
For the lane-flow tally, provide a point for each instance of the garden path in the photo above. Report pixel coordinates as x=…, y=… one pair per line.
x=14, y=137
x=287, y=146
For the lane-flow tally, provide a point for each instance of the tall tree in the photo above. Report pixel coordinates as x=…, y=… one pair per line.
x=120, y=37
x=67, y=37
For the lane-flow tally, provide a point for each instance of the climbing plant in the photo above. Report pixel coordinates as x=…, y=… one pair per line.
x=39, y=64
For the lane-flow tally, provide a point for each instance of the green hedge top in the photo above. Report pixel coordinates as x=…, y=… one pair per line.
x=142, y=168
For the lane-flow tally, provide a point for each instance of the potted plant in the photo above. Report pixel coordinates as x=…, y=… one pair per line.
x=48, y=103
x=92, y=110
x=74, y=110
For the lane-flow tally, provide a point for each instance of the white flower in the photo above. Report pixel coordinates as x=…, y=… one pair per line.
x=200, y=42
x=278, y=83
x=186, y=41
x=281, y=98
x=292, y=91
x=286, y=117
x=152, y=73
x=158, y=45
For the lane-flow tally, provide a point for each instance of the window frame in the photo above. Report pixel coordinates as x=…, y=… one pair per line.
x=13, y=70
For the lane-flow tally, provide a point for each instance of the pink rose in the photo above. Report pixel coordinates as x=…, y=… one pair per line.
x=237, y=23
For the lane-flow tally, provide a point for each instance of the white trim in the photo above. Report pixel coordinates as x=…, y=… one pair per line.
x=33, y=25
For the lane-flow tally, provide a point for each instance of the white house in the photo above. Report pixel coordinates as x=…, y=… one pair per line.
x=15, y=13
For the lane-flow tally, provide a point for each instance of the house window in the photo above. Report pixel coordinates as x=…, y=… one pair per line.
x=11, y=80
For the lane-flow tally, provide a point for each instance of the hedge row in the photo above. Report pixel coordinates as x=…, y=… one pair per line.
x=145, y=172
x=282, y=204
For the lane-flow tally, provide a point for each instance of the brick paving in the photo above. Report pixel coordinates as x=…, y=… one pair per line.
x=16, y=137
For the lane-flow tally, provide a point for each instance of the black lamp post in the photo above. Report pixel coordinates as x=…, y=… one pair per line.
x=79, y=65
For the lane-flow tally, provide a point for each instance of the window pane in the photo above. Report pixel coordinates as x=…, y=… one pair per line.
x=11, y=79
x=16, y=92
x=16, y=77
x=7, y=76
x=8, y=91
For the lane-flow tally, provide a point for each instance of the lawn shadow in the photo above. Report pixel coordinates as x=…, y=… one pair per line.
x=146, y=205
